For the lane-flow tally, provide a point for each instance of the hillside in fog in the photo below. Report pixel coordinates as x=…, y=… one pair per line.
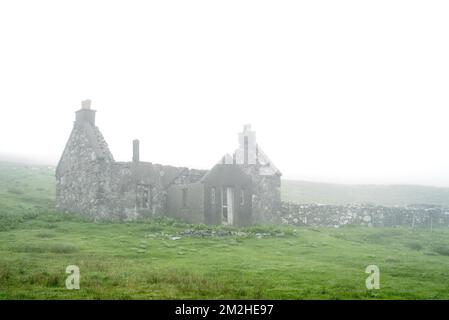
x=388, y=195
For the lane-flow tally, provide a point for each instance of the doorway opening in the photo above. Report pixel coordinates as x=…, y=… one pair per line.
x=227, y=207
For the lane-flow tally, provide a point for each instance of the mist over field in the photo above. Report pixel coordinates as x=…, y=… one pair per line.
x=340, y=92
x=388, y=195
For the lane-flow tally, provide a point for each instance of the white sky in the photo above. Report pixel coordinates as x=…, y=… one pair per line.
x=338, y=91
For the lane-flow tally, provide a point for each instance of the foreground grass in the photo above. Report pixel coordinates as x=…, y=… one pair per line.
x=141, y=261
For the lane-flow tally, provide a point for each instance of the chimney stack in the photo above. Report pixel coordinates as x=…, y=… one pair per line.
x=85, y=104
x=136, y=151
x=86, y=114
x=247, y=153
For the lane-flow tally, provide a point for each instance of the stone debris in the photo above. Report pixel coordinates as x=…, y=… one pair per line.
x=206, y=233
x=218, y=233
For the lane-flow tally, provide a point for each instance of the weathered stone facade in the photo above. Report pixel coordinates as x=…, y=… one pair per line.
x=89, y=181
x=264, y=174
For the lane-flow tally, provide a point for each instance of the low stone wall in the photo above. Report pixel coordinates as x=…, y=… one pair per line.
x=427, y=216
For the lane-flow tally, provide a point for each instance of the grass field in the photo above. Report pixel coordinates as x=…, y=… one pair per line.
x=158, y=259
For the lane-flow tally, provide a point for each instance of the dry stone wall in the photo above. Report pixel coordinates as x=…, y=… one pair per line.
x=425, y=216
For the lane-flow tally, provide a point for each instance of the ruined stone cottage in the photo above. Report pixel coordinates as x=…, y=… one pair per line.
x=241, y=189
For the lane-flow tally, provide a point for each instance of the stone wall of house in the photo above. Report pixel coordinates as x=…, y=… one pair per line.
x=89, y=181
x=425, y=216
x=266, y=200
x=81, y=175
x=192, y=210
x=121, y=192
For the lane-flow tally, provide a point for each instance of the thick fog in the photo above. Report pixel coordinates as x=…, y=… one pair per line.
x=337, y=91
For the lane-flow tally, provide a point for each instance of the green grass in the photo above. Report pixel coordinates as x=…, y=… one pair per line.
x=139, y=260
x=25, y=191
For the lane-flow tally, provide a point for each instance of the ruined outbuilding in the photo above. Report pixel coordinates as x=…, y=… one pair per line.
x=241, y=189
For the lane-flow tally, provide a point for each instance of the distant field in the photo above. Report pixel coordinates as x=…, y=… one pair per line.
x=24, y=191
x=159, y=258
x=388, y=195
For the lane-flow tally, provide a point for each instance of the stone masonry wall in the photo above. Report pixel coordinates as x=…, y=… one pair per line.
x=266, y=201
x=89, y=181
x=81, y=176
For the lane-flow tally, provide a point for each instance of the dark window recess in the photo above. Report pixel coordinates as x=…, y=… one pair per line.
x=143, y=196
x=224, y=207
x=213, y=195
x=145, y=199
x=242, y=197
